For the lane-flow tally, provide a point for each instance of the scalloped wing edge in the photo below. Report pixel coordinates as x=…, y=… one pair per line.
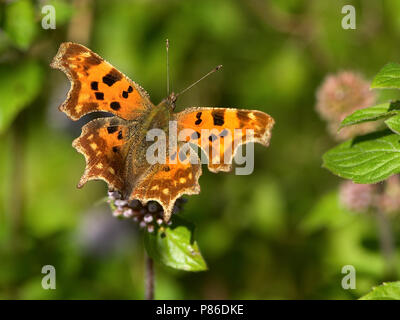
x=264, y=140
x=74, y=89
x=195, y=189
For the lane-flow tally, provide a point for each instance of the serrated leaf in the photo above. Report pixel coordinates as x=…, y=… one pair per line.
x=381, y=111
x=19, y=85
x=175, y=247
x=388, y=77
x=386, y=291
x=367, y=159
x=20, y=24
x=394, y=124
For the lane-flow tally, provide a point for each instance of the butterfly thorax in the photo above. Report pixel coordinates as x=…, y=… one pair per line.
x=157, y=118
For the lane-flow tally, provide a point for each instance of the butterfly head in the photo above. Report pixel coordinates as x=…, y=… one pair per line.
x=169, y=102
x=171, y=99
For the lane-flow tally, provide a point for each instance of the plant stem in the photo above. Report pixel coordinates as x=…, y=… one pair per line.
x=17, y=183
x=386, y=244
x=149, y=278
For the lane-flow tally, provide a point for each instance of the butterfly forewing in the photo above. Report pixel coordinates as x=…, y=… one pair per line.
x=220, y=131
x=97, y=86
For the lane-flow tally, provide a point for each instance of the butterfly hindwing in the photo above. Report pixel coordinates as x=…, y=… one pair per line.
x=97, y=86
x=167, y=182
x=103, y=143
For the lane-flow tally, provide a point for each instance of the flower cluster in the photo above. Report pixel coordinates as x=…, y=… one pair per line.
x=149, y=216
x=339, y=96
x=357, y=197
x=360, y=198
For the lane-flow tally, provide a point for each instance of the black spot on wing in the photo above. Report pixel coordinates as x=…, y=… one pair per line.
x=218, y=117
x=112, y=77
x=125, y=94
x=115, y=105
x=115, y=149
x=99, y=95
x=94, y=85
x=198, y=117
x=111, y=130
x=120, y=135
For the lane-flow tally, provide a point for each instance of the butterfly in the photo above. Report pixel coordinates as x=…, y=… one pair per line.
x=115, y=146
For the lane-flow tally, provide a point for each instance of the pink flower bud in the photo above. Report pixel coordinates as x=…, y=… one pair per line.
x=339, y=96
x=357, y=197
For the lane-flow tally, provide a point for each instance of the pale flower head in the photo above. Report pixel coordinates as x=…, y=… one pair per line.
x=339, y=96
x=355, y=197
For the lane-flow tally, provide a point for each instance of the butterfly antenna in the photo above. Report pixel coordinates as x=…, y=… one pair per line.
x=167, y=49
x=202, y=78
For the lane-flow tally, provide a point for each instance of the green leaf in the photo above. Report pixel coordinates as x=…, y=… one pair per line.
x=388, y=77
x=386, y=291
x=20, y=24
x=394, y=124
x=19, y=85
x=367, y=159
x=174, y=246
x=381, y=111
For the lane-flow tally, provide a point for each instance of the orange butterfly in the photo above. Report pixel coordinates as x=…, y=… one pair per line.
x=115, y=147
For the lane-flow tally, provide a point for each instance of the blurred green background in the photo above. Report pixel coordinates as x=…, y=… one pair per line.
x=279, y=233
